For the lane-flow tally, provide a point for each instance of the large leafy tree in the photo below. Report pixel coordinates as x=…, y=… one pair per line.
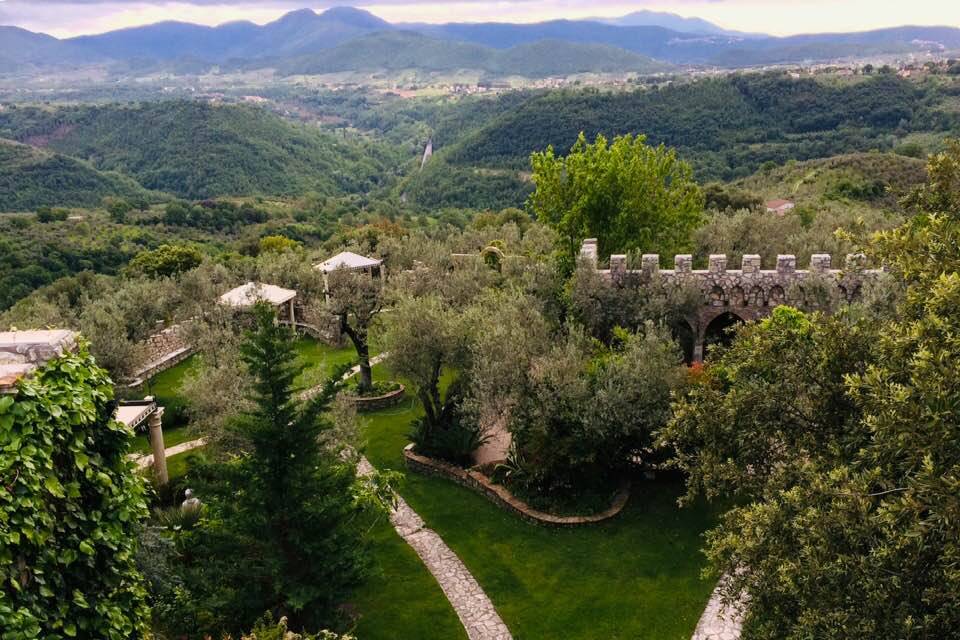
x=284, y=532
x=70, y=504
x=627, y=194
x=843, y=442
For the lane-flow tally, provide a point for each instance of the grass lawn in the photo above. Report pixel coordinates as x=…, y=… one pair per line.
x=320, y=360
x=400, y=599
x=635, y=577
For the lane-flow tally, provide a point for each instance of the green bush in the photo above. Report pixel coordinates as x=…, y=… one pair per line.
x=70, y=504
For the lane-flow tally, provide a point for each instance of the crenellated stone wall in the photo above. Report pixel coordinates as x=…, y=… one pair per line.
x=744, y=294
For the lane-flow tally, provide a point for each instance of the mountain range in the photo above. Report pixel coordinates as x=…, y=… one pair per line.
x=345, y=38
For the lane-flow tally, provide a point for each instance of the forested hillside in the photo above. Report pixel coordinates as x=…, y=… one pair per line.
x=396, y=50
x=32, y=178
x=727, y=127
x=199, y=150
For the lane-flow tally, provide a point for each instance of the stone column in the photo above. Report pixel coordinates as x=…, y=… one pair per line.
x=155, y=425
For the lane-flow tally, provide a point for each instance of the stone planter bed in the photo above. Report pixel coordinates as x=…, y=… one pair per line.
x=375, y=403
x=501, y=496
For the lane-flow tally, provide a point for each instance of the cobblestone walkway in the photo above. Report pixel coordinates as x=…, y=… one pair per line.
x=473, y=607
x=144, y=461
x=717, y=621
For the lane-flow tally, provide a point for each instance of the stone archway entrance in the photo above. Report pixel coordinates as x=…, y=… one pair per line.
x=719, y=331
x=686, y=337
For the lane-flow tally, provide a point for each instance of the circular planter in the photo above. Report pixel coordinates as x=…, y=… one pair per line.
x=375, y=403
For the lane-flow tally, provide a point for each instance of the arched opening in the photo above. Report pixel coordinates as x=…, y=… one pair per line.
x=756, y=297
x=777, y=296
x=720, y=331
x=717, y=298
x=686, y=338
x=737, y=297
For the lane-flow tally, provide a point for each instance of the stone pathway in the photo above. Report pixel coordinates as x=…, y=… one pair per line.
x=718, y=622
x=477, y=614
x=144, y=461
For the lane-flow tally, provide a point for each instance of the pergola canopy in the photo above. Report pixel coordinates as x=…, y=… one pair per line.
x=348, y=260
x=249, y=294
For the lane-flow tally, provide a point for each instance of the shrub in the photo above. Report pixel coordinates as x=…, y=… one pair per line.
x=70, y=504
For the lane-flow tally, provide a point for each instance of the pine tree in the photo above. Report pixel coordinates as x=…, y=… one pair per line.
x=283, y=530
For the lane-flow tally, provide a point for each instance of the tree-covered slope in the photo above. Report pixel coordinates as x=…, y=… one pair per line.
x=394, y=50
x=726, y=127
x=876, y=180
x=31, y=178
x=200, y=150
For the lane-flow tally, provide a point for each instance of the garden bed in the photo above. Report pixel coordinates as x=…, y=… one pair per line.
x=502, y=497
x=376, y=402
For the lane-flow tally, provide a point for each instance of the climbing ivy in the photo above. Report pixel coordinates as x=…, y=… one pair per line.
x=70, y=504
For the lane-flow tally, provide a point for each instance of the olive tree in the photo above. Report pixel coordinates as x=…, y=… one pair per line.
x=356, y=298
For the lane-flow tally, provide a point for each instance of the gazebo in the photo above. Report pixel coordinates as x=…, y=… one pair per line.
x=351, y=262
x=249, y=294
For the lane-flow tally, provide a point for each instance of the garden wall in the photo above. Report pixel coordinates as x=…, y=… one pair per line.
x=499, y=495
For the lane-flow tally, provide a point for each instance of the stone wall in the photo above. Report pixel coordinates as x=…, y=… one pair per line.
x=161, y=351
x=747, y=293
x=500, y=496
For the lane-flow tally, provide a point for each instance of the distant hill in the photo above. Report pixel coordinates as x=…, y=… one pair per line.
x=672, y=21
x=31, y=178
x=20, y=49
x=727, y=128
x=395, y=50
x=304, y=33
x=295, y=34
x=198, y=150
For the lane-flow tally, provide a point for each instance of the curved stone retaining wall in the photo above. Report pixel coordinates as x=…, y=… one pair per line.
x=378, y=402
x=500, y=496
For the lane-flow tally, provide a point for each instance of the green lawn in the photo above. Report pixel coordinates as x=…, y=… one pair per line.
x=400, y=599
x=635, y=577
x=320, y=360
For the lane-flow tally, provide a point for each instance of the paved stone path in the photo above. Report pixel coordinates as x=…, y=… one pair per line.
x=145, y=461
x=718, y=622
x=477, y=614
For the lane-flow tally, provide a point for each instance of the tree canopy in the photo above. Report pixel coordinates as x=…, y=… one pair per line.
x=627, y=194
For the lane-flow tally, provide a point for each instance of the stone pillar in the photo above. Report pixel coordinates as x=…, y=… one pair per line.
x=155, y=425
x=856, y=262
x=588, y=252
x=718, y=263
x=750, y=263
x=820, y=262
x=650, y=264
x=786, y=264
x=683, y=263
x=618, y=267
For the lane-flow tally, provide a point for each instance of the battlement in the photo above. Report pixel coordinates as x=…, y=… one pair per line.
x=750, y=265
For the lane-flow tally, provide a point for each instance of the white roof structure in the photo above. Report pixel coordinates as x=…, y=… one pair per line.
x=134, y=414
x=247, y=295
x=21, y=352
x=348, y=260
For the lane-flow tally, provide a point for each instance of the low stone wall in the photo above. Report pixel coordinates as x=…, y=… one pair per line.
x=378, y=402
x=499, y=495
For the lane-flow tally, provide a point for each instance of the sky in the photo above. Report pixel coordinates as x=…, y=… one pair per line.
x=64, y=18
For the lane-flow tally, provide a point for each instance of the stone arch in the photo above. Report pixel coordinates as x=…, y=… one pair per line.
x=755, y=297
x=719, y=331
x=686, y=337
x=737, y=297
x=776, y=296
x=717, y=297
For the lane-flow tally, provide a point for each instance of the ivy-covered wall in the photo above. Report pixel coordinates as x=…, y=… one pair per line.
x=70, y=504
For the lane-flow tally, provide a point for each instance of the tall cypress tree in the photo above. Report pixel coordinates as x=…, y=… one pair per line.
x=282, y=531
